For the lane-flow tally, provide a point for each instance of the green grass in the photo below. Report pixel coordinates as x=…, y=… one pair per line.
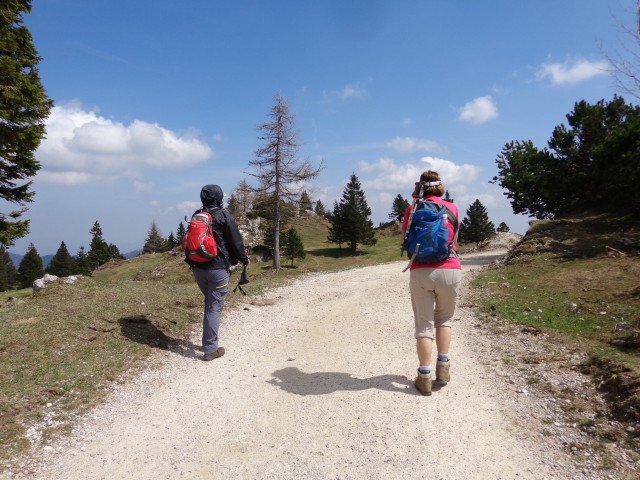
x=568, y=277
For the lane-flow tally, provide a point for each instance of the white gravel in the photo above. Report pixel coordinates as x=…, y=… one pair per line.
x=317, y=383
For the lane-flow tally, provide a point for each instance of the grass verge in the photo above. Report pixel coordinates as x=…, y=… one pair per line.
x=578, y=278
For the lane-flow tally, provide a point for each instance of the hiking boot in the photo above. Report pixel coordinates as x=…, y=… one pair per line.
x=213, y=355
x=423, y=383
x=442, y=372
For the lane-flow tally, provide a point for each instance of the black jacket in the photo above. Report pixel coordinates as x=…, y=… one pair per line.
x=231, y=249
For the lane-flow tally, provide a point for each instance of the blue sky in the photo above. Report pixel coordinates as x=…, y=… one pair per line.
x=156, y=98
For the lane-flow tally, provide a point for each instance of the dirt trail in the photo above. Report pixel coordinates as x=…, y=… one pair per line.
x=315, y=385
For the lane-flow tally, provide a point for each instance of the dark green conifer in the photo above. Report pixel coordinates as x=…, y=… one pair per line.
x=62, y=263
x=30, y=267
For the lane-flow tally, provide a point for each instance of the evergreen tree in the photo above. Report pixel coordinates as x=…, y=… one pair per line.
x=305, y=202
x=114, y=253
x=476, y=226
x=154, y=242
x=350, y=220
x=180, y=232
x=99, y=253
x=593, y=164
x=502, y=227
x=448, y=197
x=171, y=241
x=277, y=166
x=82, y=263
x=398, y=208
x=62, y=263
x=30, y=267
x=8, y=272
x=24, y=108
x=293, y=246
x=336, y=232
x=319, y=209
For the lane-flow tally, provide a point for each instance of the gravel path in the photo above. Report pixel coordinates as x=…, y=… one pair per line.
x=317, y=383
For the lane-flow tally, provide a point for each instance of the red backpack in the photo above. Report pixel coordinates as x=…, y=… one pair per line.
x=199, y=244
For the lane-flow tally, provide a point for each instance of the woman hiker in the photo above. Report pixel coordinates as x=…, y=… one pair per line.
x=434, y=290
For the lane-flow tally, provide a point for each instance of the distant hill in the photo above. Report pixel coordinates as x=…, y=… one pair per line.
x=16, y=259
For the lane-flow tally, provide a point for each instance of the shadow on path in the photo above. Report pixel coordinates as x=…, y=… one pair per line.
x=294, y=381
x=141, y=329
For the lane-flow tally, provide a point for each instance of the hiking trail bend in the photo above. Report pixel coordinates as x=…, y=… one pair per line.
x=317, y=383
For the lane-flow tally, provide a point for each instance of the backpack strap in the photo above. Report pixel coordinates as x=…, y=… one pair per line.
x=456, y=230
x=413, y=210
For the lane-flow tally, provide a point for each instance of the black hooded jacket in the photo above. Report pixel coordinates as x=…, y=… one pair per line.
x=231, y=248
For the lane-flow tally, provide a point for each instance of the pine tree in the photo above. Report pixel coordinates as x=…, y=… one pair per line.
x=8, y=272
x=180, y=232
x=476, y=226
x=305, y=202
x=62, y=263
x=319, y=209
x=99, y=253
x=30, y=267
x=293, y=246
x=448, y=197
x=350, y=220
x=503, y=227
x=82, y=263
x=154, y=242
x=114, y=253
x=24, y=108
x=398, y=208
x=171, y=241
x=336, y=232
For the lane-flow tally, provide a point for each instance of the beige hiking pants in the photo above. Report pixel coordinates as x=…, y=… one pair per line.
x=433, y=297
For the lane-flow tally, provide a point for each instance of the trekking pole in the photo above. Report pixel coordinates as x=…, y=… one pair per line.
x=243, y=280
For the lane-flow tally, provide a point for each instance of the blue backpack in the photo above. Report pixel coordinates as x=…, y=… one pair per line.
x=427, y=235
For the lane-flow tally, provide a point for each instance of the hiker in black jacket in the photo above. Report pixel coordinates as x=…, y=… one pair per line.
x=213, y=277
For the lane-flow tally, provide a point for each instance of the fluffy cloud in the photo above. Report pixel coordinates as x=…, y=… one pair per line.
x=387, y=176
x=479, y=110
x=349, y=92
x=81, y=147
x=384, y=179
x=572, y=72
x=410, y=145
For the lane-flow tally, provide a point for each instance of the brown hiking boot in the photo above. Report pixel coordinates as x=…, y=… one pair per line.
x=442, y=372
x=213, y=355
x=423, y=383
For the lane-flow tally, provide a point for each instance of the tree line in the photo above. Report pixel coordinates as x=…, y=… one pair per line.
x=62, y=264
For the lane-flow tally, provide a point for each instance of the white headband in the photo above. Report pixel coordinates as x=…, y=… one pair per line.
x=433, y=184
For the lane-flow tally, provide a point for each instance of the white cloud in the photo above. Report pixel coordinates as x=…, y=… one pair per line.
x=479, y=110
x=348, y=92
x=410, y=145
x=572, y=71
x=384, y=179
x=390, y=177
x=82, y=146
x=142, y=186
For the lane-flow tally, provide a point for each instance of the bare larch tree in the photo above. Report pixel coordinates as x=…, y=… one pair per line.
x=281, y=174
